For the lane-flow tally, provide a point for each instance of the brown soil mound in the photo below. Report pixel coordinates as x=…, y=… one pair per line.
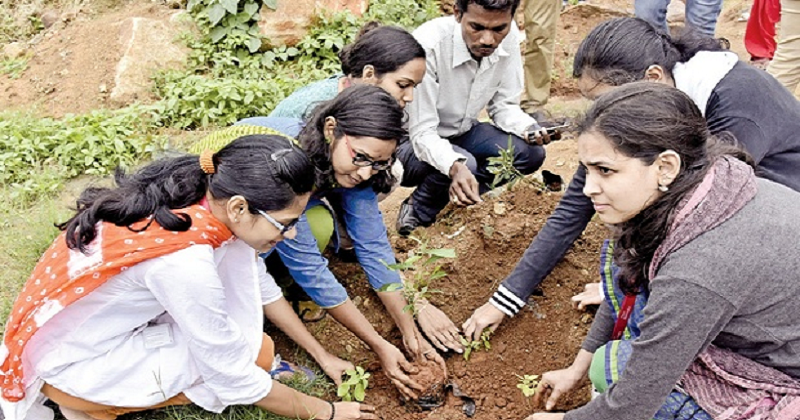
x=546, y=335
x=73, y=65
x=432, y=379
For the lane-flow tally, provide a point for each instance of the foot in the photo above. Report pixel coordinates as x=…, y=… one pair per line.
x=407, y=219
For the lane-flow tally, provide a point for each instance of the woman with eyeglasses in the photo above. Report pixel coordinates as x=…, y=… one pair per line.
x=351, y=140
x=153, y=295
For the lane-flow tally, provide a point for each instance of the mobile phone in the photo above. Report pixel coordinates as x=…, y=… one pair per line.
x=551, y=131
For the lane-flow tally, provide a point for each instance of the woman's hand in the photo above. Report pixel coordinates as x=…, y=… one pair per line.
x=334, y=367
x=591, y=295
x=487, y=316
x=397, y=369
x=554, y=384
x=352, y=411
x=546, y=416
x=429, y=354
x=442, y=332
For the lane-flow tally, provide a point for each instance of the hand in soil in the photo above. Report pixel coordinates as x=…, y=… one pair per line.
x=439, y=328
x=591, y=295
x=487, y=316
x=334, y=367
x=353, y=411
x=546, y=416
x=464, y=186
x=554, y=384
x=397, y=369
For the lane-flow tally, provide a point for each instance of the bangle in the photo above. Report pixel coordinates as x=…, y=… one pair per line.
x=333, y=411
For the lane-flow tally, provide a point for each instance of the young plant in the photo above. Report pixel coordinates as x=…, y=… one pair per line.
x=422, y=261
x=470, y=346
x=354, y=387
x=503, y=169
x=528, y=384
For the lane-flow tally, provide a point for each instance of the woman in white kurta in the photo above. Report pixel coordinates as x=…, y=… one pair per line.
x=144, y=308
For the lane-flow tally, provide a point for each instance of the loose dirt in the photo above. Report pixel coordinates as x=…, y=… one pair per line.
x=546, y=335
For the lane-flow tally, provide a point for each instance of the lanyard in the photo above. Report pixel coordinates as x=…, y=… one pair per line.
x=623, y=317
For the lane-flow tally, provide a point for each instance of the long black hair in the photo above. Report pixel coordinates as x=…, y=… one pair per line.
x=386, y=48
x=620, y=50
x=642, y=120
x=268, y=171
x=361, y=110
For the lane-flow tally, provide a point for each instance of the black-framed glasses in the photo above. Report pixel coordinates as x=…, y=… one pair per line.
x=361, y=160
x=278, y=225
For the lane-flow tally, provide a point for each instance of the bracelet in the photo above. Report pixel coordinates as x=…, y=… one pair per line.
x=333, y=411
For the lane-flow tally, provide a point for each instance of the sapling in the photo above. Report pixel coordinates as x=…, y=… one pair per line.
x=503, y=169
x=483, y=341
x=528, y=384
x=354, y=387
x=417, y=288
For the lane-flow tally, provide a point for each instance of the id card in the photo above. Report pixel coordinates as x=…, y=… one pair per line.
x=158, y=335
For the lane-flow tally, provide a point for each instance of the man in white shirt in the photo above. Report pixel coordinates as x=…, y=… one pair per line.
x=473, y=61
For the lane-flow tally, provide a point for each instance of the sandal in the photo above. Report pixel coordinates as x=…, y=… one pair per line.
x=308, y=311
x=283, y=370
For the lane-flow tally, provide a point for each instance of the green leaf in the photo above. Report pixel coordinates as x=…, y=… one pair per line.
x=253, y=44
x=272, y=4
x=230, y=6
x=215, y=13
x=391, y=287
x=250, y=8
x=442, y=253
x=218, y=33
x=359, y=393
x=342, y=390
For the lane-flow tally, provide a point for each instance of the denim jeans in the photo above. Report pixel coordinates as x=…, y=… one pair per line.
x=481, y=142
x=700, y=14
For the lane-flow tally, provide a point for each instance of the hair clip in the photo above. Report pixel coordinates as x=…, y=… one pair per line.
x=207, y=162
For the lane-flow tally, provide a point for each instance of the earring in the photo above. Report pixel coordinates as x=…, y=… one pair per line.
x=663, y=188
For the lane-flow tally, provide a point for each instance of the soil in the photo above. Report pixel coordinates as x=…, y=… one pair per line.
x=73, y=64
x=546, y=335
x=433, y=380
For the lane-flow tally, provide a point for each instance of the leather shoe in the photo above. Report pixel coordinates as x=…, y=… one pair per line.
x=407, y=219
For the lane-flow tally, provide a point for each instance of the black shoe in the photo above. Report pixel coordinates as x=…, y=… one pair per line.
x=406, y=218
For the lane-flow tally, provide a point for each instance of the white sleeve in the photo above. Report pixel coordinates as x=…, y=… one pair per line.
x=270, y=291
x=424, y=122
x=186, y=283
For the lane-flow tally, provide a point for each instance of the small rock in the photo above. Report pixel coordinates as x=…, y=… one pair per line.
x=103, y=88
x=499, y=208
x=586, y=318
x=585, y=272
x=500, y=348
x=14, y=50
x=348, y=348
x=357, y=300
x=64, y=72
x=68, y=16
x=500, y=402
x=49, y=18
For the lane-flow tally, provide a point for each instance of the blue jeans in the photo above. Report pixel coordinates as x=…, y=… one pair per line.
x=478, y=144
x=700, y=14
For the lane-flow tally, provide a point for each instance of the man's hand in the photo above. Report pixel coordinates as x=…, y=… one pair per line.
x=536, y=134
x=439, y=329
x=464, y=186
x=487, y=316
x=592, y=295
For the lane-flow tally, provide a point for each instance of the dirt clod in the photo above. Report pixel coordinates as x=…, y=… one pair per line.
x=433, y=380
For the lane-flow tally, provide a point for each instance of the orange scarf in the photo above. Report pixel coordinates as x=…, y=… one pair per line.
x=63, y=275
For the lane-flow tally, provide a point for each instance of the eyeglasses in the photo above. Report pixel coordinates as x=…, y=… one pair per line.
x=278, y=225
x=361, y=160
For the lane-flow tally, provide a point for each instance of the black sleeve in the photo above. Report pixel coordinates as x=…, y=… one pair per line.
x=563, y=227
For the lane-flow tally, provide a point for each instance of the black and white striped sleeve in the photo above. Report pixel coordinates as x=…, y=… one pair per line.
x=506, y=302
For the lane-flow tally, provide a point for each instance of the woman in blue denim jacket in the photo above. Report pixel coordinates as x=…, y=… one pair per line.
x=352, y=140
